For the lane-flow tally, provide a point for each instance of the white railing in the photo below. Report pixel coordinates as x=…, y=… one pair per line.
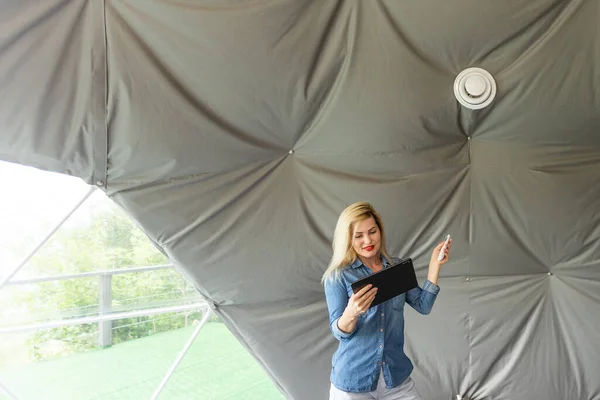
x=105, y=317
x=89, y=274
x=105, y=313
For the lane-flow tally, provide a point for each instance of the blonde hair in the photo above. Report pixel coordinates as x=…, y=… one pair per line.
x=343, y=253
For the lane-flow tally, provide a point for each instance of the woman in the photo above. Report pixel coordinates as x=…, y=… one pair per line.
x=370, y=362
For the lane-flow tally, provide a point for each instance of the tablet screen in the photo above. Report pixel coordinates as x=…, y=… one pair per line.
x=390, y=282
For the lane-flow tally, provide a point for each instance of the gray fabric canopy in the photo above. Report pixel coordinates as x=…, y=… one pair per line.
x=235, y=132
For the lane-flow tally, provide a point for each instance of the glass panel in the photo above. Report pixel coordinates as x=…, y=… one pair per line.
x=31, y=204
x=99, y=236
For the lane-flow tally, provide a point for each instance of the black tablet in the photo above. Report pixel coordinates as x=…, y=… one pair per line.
x=390, y=282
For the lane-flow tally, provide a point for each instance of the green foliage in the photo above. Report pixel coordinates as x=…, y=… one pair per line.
x=51, y=343
x=109, y=240
x=135, y=328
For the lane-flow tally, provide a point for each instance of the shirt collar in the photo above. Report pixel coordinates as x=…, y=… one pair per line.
x=357, y=263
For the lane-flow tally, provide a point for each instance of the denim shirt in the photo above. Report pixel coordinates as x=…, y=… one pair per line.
x=377, y=342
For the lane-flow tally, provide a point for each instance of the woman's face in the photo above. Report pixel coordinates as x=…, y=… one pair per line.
x=366, y=238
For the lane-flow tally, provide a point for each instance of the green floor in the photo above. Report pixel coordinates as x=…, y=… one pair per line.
x=216, y=367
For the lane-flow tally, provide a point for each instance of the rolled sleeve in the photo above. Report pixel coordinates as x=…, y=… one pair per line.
x=422, y=300
x=337, y=332
x=431, y=287
x=337, y=300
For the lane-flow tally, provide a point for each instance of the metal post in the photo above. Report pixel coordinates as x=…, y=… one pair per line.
x=182, y=354
x=105, y=327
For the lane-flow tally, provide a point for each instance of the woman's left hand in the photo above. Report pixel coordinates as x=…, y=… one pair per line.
x=434, y=255
x=434, y=265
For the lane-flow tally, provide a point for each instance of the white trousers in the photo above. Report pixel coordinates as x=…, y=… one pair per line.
x=405, y=391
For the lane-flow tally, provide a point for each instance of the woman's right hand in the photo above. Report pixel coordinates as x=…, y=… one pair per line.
x=360, y=301
x=358, y=304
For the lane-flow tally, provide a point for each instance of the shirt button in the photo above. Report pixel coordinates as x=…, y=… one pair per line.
x=382, y=314
x=381, y=330
x=381, y=346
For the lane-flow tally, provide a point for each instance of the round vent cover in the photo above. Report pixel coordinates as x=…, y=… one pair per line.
x=475, y=88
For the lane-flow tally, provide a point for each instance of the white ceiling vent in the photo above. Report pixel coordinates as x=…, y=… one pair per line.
x=475, y=88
